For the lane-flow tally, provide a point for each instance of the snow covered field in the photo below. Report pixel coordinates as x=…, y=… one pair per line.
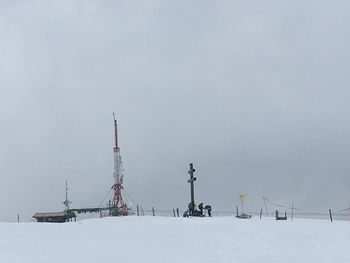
x=166, y=239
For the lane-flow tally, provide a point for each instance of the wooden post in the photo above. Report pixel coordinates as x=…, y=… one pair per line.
x=285, y=214
x=330, y=215
x=260, y=213
x=177, y=212
x=237, y=210
x=137, y=209
x=174, y=212
x=18, y=218
x=153, y=211
x=100, y=214
x=276, y=215
x=142, y=211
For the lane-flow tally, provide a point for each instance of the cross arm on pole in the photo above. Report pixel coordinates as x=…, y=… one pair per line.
x=192, y=180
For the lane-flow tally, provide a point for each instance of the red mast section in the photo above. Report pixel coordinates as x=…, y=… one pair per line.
x=118, y=207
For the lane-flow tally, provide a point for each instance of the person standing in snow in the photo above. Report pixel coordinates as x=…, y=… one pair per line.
x=192, y=209
x=208, y=208
x=200, y=207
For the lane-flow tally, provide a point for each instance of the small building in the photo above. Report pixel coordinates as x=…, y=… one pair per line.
x=54, y=217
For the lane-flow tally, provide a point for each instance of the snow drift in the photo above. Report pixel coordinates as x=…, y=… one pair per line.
x=165, y=239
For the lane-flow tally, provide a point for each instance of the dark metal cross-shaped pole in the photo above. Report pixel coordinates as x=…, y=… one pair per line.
x=191, y=181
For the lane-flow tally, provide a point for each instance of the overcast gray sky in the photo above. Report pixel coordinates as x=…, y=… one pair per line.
x=254, y=93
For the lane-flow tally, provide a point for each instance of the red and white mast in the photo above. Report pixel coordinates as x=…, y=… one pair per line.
x=118, y=207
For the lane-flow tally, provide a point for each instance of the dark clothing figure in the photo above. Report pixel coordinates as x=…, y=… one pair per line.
x=186, y=214
x=197, y=213
x=200, y=207
x=208, y=208
x=191, y=208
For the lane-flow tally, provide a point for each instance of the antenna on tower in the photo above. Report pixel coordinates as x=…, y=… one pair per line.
x=66, y=202
x=115, y=132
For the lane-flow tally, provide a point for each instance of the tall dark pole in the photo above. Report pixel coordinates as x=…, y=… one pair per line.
x=115, y=133
x=191, y=181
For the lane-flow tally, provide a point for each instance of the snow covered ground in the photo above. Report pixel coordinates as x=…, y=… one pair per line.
x=166, y=239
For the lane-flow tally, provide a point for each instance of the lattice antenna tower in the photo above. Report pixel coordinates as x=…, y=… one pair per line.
x=118, y=206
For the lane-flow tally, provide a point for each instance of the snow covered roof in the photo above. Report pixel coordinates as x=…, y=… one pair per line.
x=49, y=214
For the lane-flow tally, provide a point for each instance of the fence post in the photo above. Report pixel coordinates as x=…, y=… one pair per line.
x=177, y=212
x=330, y=215
x=260, y=213
x=237, y=210
x=153, y=211
x=174, y=212
x=137, y=209
x=18, y=218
